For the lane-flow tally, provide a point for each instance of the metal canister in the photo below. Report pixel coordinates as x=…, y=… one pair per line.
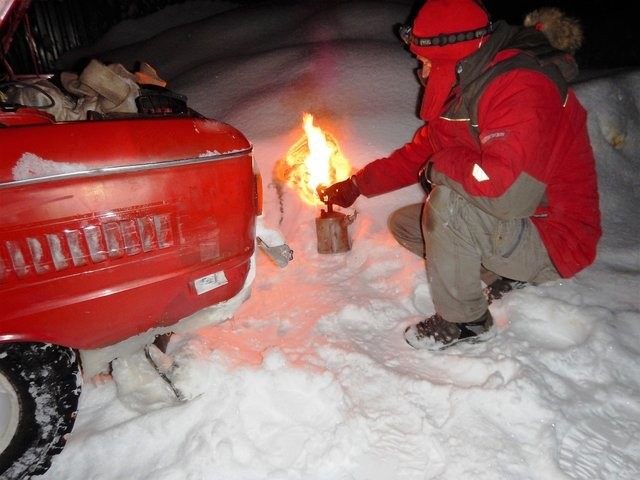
x=333, y=232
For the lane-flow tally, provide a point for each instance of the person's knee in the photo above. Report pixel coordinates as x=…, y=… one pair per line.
x=393, y=221
x=404, y=225
x=394, y=224
x=404, y=220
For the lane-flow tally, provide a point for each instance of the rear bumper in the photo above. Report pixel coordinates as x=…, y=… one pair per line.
x=97, y=360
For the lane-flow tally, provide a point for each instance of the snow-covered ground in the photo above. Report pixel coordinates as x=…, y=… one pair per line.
x=312, y=379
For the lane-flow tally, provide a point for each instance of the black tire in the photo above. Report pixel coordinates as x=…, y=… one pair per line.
x=39, y=389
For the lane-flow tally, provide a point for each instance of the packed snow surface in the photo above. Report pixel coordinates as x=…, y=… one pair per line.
x=312, y=379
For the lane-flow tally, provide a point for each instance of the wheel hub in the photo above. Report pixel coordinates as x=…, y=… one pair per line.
x=9, y=412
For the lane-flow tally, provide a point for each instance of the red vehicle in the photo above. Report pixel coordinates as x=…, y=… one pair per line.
x=114, y=230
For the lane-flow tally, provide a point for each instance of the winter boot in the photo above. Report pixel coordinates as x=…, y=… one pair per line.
x=435, y=333
x=500, y=287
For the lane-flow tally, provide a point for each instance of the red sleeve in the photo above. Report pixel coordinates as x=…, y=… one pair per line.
x=399, y=169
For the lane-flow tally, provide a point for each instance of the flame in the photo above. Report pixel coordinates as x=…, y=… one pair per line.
x=313, y=160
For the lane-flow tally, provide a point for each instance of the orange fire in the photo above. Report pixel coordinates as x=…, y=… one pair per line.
x=313, y=160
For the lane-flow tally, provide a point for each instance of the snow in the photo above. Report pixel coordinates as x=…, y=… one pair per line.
x=30, y=165
x=312, y=379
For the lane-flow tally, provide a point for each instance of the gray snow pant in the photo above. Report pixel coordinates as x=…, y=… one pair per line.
x=464, y=246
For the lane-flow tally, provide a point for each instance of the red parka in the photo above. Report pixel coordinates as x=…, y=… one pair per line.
x=529, y=155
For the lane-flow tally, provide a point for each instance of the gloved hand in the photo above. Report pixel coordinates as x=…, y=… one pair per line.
x=341, y=193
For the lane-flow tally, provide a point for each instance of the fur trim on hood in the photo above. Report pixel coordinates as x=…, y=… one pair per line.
x=563, y=32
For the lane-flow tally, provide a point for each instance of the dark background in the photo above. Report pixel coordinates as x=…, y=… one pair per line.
x=61, y=25
x=610, y=29
x=610, y=38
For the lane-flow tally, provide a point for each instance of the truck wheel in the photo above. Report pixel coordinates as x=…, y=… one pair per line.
x=39, y=389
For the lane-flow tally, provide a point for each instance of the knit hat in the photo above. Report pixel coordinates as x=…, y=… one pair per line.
x=449, y=28
x=445, y=32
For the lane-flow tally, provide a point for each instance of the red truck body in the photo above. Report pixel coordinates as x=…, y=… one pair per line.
x=111, y=227
x=118, y=228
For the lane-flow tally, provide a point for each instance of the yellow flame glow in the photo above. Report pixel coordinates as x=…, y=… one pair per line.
x=313, y=160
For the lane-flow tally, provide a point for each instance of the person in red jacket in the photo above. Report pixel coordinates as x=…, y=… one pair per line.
x=504, y=156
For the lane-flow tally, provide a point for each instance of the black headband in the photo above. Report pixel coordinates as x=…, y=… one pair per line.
x=443, y=39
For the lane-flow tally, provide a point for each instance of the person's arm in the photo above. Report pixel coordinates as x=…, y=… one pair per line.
x=399, y=169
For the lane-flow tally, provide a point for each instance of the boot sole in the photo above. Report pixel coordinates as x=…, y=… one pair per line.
x=439, y=347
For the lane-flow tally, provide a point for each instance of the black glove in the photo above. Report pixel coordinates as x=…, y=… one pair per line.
x=342, y=193
x=423, y=176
